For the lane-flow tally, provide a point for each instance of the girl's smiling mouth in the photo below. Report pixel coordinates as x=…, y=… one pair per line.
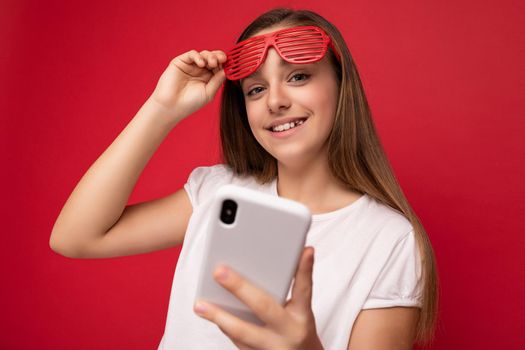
x=286, y=127
x=286, y=124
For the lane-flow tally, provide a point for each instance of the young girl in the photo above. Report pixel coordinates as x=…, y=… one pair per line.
x=295, y=123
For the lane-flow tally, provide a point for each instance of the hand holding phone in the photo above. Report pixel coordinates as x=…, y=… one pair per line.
x=258, y=235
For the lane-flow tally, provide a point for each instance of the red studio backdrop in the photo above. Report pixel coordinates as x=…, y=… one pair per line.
x=445, y=82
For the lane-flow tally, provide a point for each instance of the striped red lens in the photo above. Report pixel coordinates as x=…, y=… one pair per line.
x=244, y=59
x=304, y=44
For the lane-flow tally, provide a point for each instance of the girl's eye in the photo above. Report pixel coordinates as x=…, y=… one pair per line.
x=304, y=76
x=252, y=91
x=300, y=76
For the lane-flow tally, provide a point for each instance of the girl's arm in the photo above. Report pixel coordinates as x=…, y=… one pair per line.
x=95, y=221
x=385, y=329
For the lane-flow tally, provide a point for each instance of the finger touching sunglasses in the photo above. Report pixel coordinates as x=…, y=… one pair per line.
x=296, y=45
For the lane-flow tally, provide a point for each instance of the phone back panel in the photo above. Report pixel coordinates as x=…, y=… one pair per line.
x=263, y=244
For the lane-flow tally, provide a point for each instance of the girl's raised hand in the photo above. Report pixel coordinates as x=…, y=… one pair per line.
x=288, y=327
x=190, y=82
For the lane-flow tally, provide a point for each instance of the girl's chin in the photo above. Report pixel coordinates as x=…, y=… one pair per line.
x=298, y=156
x=292, y=159
x=287, y=153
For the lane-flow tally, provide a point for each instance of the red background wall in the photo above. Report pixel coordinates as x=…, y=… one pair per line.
x=445, y=81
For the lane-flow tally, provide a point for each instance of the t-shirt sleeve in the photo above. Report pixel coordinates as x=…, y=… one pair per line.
x=399, y=282
x=204, y=181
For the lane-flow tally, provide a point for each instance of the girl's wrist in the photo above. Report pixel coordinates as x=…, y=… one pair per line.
x=167, y=118
x=314, y=344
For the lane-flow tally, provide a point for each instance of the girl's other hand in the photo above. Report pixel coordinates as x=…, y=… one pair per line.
x=290, y=327
x=190, y=82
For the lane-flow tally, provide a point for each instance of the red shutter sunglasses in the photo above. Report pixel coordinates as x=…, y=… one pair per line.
x=297, y=45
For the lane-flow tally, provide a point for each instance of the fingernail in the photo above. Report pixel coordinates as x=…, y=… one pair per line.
x=200, y=308
x=312, y=253
x=222, y=273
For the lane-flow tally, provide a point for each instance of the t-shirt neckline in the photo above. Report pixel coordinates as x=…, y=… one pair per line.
x=331, y=214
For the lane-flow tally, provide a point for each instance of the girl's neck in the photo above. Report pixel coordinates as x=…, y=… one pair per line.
x=313, y=185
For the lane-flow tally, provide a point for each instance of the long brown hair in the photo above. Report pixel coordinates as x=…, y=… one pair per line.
x=356, y=156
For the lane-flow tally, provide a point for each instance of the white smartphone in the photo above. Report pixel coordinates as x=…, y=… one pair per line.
x=258, y=235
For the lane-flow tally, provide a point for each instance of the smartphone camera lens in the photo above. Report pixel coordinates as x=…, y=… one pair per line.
x=229, y=208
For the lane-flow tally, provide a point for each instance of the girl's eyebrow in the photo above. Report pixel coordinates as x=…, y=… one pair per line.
x=258, y=72
x=282, y=63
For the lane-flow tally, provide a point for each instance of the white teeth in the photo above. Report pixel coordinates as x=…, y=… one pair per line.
x=287, y=126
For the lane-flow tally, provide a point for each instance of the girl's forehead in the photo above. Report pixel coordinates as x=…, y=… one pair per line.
x=270, y=30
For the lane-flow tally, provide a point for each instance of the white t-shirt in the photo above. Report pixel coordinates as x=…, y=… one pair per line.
x=366, y=257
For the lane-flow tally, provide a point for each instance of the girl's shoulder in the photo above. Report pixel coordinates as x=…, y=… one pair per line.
x=206, y=173
x=204, y=181
x=381, y=218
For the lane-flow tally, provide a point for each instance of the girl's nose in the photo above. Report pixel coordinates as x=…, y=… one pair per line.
x=277, y=99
